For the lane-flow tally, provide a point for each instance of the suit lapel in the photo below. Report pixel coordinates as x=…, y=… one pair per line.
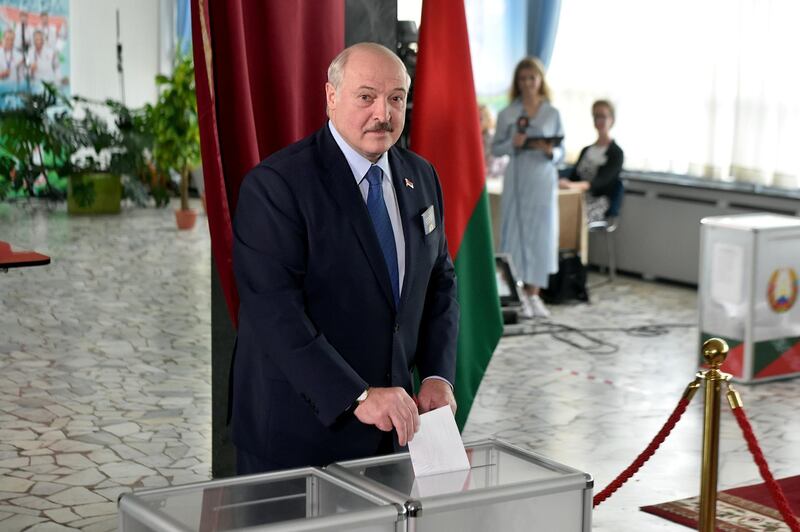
x=342, y=187
x=405, y=203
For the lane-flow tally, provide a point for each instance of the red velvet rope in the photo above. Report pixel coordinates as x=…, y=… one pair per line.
x=646, y=454
x=774, y=488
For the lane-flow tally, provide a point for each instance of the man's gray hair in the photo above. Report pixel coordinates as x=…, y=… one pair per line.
x=336, y=68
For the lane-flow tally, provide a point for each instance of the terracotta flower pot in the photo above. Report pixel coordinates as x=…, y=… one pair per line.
x=185, y=219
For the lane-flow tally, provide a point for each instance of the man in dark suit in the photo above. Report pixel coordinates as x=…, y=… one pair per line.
x=345, y=282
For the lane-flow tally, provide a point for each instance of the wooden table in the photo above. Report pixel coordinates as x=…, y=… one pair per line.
x=573, y=232
x=19, y=259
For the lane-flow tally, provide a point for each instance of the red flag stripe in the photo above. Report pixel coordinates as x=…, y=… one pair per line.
x=446, y=127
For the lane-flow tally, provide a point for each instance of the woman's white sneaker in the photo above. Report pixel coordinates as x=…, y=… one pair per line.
x=527, y=308
x=537, y=307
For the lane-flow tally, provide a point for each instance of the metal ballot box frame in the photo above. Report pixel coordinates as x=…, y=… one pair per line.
x=296, y=500
x=506, y=488
x=747, y=293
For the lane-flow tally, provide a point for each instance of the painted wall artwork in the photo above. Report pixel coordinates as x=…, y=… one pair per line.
x=35, y=46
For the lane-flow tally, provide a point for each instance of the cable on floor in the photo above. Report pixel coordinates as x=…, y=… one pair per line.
x=580, y=338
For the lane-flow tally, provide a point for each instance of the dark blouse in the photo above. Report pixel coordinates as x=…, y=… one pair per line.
x=605, y=182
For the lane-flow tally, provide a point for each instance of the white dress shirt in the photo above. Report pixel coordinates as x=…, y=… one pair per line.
x=10, y=60
x=46, y=61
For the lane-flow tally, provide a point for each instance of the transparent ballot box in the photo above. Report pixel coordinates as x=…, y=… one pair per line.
x=748, y=292
x=296, y=500
x=505, y=489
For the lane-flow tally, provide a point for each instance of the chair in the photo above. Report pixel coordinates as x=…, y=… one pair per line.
x=608, y=226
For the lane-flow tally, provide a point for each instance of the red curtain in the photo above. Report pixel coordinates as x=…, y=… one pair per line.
x=260, y=68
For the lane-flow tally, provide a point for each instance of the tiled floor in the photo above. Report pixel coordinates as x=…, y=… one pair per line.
x=104, y=365
x=105, y=379
x=596, y=407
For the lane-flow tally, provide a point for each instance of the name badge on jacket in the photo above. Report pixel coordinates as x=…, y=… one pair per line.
x=428, y=220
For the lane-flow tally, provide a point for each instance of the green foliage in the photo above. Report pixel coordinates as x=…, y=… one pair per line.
x=7, y=165
x=83, y=191
x=173, y=122
x=37, y=136
x=47, y=137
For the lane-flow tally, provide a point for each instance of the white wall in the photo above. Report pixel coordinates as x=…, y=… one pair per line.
x=659, y=224
x=93, y=41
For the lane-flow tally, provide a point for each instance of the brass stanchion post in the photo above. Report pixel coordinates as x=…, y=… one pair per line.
x=714, y=351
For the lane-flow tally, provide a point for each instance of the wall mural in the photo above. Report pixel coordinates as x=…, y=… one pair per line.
x=35, y=46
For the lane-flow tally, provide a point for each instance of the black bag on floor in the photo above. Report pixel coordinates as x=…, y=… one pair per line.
x=569, y=282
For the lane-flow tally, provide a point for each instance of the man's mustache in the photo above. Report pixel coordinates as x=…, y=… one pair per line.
x=381, y=126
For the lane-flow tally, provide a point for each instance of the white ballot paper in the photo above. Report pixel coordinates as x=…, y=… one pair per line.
x=441, y=484
x=437, y=446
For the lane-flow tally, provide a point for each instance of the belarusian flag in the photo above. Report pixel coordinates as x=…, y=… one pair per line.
x=445, y=130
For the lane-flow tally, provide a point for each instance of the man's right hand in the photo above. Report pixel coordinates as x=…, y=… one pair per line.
x=390, y=408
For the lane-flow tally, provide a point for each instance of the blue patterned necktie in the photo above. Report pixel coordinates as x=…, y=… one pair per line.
x=383, y=227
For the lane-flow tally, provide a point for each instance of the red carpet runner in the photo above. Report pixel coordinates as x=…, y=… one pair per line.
x=745, y=509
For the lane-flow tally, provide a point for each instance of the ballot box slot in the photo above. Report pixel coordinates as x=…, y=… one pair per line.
x=272, y=500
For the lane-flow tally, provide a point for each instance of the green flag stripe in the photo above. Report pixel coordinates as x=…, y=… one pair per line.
x=481, y=322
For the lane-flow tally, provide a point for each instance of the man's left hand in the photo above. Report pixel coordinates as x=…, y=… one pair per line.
x=435, y=393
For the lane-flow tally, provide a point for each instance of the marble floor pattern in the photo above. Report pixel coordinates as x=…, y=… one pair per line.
x=105, y=379
x=104, y=365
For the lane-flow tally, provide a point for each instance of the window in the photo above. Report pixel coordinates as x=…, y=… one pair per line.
x=707, y=88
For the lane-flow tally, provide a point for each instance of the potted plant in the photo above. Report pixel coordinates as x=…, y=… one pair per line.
x=133, y=155
x=55, y=147
x=94, y=187
x=36, y=145
x=176, y=137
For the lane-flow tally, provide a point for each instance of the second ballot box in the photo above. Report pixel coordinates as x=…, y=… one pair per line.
x=748, y=292
x=506, y=488
x=297, y=500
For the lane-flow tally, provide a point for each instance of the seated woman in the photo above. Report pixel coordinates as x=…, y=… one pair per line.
x=598, y=167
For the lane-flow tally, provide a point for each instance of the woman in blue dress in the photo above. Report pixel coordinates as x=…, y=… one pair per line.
x=530, y=131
